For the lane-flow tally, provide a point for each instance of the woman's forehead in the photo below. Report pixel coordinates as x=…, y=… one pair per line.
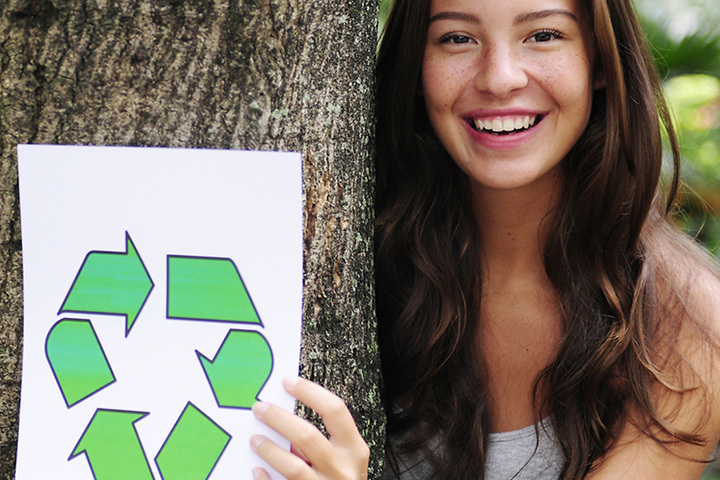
x=500, y=7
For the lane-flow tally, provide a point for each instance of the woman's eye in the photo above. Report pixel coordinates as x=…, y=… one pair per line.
x=545, y=36
x=455, y=38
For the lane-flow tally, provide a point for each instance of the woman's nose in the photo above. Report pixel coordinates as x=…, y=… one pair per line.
x=499, y=72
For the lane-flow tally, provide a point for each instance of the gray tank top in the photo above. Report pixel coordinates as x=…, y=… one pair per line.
x=511, y=455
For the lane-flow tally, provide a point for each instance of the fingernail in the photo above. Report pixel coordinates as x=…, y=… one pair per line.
x=255, y=442
x=259, y=408
x=257, y=473
x=290, y=382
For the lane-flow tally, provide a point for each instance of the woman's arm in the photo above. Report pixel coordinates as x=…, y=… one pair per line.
x=342, y=456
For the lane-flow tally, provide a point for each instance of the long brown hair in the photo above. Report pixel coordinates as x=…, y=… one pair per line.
x=606, y=256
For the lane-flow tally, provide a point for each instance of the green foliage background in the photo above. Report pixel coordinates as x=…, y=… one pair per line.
x=686, y=45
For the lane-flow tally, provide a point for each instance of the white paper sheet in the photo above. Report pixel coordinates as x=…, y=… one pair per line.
x=83, y=210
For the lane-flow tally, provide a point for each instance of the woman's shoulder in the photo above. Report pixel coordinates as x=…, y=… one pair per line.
x=687, y=298
x=693, y=305
x=683, y=356
x=687, y=353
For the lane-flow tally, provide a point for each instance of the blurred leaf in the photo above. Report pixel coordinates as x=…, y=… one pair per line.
x=695, y=103
x=695, y=53
x=683, y=35
x=382, y=17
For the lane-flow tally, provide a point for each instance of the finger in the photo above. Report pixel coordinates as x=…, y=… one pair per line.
x=287, y=464
x=335, y=414
x=260, y=474
x=295, y=450
x=302, y=434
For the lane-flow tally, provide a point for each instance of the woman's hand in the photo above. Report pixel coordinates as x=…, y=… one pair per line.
x=342, y=456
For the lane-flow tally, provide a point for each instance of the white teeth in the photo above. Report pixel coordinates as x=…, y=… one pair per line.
x=498, y=125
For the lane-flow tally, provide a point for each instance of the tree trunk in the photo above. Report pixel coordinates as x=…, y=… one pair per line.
x=240, y=74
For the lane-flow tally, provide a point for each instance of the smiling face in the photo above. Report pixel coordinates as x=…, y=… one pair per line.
x=508, y=86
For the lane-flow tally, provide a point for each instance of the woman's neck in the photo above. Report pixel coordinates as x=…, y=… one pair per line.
x=520, y=319
x=513, y=226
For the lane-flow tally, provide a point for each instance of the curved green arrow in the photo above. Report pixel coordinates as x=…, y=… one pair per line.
x=193, y=447
x=240, y=368
x=77, y=360
x=206, y=288
x=112, y=283
x=113, y=448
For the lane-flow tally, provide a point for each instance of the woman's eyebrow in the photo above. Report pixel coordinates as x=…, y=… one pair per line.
x=467, y=17
x=526, y=17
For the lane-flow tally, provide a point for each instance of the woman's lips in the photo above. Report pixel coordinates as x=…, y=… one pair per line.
x=505, y=125
x=504, y=132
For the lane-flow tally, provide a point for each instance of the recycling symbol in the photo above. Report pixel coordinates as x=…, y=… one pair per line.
x=198, y=289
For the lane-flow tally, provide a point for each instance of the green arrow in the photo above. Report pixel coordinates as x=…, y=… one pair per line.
x=77, y=360
x=193, y=447
x=206, y=288
x=112, y=283
x=240, y=369
x=113, y=448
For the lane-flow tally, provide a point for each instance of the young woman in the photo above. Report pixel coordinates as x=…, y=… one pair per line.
x=540, y=316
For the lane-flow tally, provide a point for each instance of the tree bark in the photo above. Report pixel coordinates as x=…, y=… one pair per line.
x=239, y=74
